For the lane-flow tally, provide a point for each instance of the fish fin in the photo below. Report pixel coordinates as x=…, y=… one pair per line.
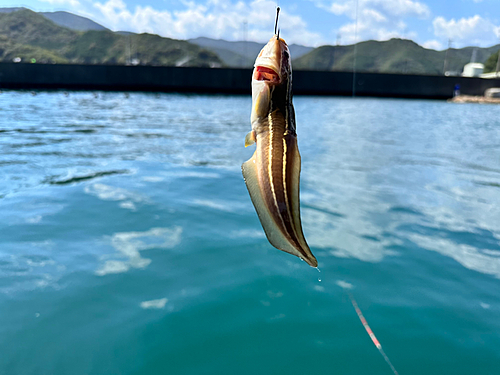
x=294, y=190
x=250, y=138
x=273, y=232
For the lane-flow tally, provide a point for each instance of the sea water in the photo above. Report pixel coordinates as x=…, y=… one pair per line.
x=129, y=244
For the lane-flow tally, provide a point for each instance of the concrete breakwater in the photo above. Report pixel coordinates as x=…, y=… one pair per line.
x=231, y=81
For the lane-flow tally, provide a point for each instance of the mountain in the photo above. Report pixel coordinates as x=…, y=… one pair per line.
x=392, y=56
x=63, y=37
x=241, y=54
x=29, y=28
x=9, y=10
x=72, y=21
x=64, y=19
x=29, y=35
x=234, y=54
x=298, y=50
x=94, y=47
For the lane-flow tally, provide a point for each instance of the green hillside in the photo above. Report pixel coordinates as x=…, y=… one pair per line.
x=64, y=19
x=9, y=50
x=27, y=27
x=28, y=35
x=491, y=63
x=392, y=56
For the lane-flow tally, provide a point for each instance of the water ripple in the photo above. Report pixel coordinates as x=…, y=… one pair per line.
x=126, y=223
x=75, y=179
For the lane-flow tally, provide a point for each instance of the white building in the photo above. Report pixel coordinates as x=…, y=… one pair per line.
x=473, y=70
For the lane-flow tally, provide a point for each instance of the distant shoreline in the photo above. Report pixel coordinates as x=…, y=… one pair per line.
x=230, y=81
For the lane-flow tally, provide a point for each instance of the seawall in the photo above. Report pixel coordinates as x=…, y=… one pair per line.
x=231, y=81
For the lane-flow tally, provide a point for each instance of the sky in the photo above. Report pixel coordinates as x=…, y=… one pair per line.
x=430, y=23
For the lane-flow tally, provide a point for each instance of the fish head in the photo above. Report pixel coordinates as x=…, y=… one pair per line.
x=273, y=62
x=271, y=79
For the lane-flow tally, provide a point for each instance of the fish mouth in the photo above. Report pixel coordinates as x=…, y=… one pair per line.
x=264, y=73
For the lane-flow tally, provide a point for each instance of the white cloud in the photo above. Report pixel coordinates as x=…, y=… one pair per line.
x=73, y=3
x=340, y=9
x=433, y=44
x=390, y=7
x=403, y=7
x=213, y=18
x=473, y=31
x=377, y=19
x=373, y=14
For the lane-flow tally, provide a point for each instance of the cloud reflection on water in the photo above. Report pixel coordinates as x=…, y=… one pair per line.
x=154, y=304
x=31, y=267
x=470, y=257
x=372, y=185
x=111, y=193
x=130, y=244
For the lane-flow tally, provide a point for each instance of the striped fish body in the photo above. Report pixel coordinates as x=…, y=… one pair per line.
x=272, y=175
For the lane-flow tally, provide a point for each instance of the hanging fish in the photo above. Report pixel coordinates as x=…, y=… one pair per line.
x=273, y=172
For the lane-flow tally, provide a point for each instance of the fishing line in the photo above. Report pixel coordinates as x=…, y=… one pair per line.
x=276, y=23
x=370, y=332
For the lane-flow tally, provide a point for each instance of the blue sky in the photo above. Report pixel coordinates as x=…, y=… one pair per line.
x=308, y=22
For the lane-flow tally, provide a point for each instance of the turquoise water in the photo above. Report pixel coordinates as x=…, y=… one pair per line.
x=129, y=245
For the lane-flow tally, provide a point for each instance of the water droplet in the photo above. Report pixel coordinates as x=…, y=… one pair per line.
x=319, y=279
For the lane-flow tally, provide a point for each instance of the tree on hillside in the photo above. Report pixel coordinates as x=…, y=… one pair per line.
x=491, y=64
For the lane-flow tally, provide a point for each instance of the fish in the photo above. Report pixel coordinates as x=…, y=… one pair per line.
x=272, y=174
